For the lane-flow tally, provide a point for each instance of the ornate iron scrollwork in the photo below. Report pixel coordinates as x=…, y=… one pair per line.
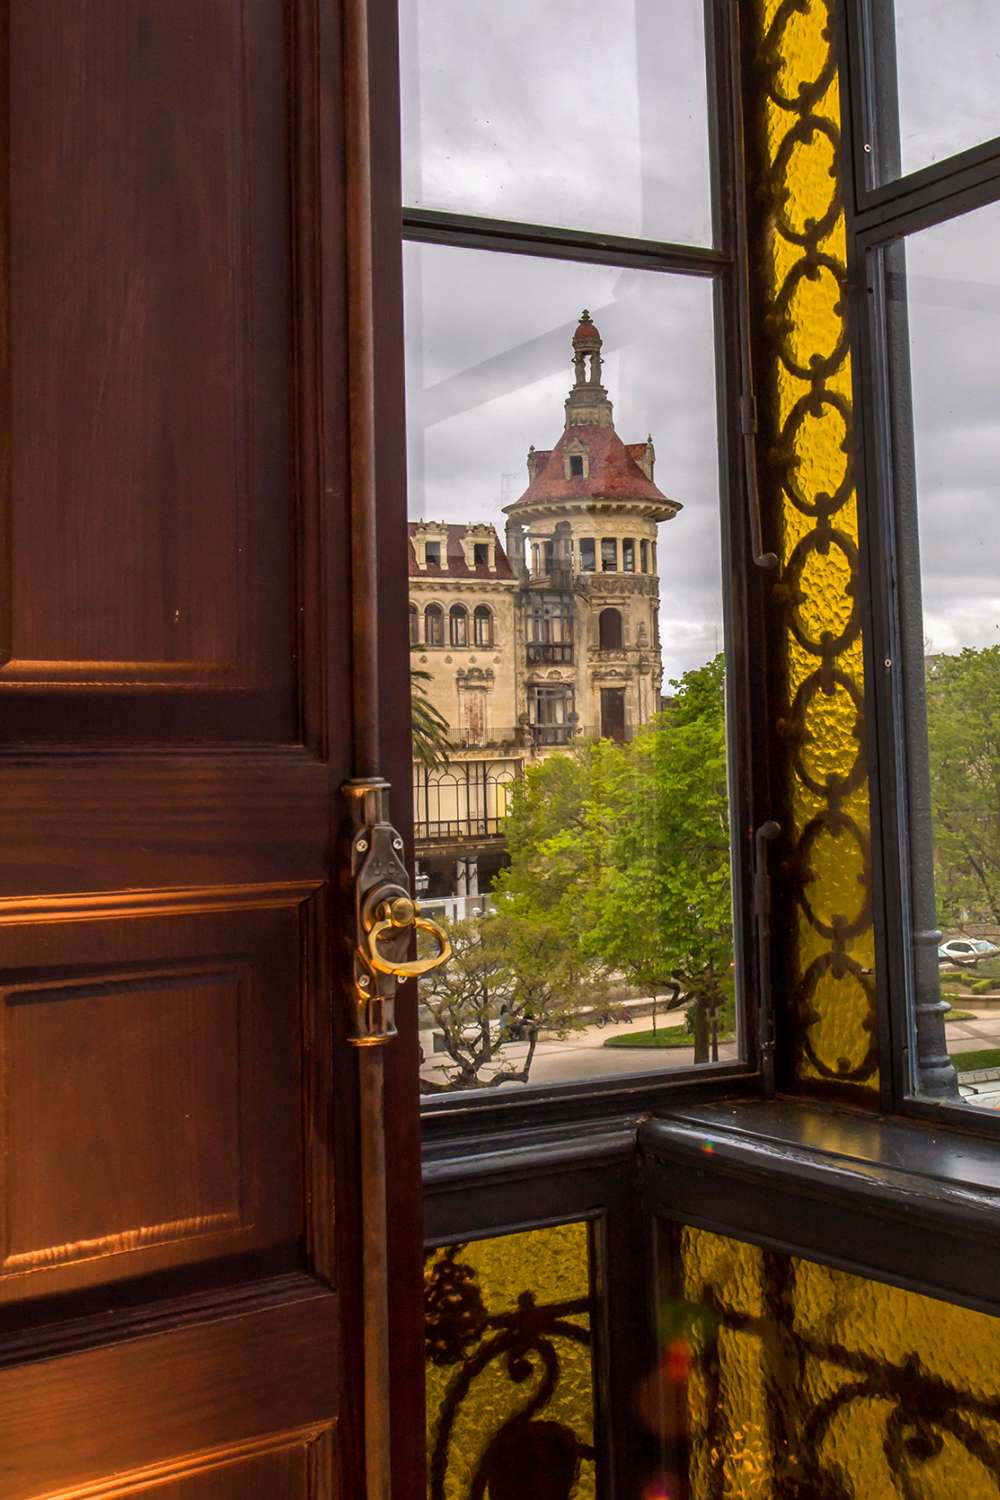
x=814, y=1384
x=508, y=1369
x=805, y=456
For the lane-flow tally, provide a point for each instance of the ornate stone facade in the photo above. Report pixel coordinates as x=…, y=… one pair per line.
x=549, y=639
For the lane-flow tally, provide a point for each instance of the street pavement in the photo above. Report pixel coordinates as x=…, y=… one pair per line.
x=583, y=1055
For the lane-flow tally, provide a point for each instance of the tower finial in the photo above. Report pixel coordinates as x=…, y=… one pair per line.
x=588, y=404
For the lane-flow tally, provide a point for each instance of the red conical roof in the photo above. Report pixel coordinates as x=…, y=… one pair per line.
x=613, y=473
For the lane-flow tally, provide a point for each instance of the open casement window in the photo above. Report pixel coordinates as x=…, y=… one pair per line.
x=780, y=1284
x=925, y=231
x=609, y=688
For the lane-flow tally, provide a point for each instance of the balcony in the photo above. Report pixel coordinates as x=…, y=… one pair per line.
x=539, y=652
x=452, y=830
x=553, y=579
x=552, y=734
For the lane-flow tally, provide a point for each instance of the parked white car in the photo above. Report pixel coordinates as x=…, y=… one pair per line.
x=966, y=951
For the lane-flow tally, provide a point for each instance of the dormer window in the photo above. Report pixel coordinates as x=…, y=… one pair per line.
x=576, y=465
x=481, y=555
x=432, y=554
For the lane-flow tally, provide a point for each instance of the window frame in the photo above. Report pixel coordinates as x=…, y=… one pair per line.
x=745, y=614
x=434, y=611
x=482, y=627
x=458, y=627
x=878, y=218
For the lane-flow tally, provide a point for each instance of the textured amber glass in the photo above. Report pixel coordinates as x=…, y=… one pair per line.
x=804, y=380
x=811, y=1382
x=510, y=1396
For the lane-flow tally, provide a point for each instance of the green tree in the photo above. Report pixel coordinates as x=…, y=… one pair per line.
x=963, y=730
x=429, y=725
x=463, y=1000
x=540, y=896
x=506, y=981
x=661, y=910
x=620, y=859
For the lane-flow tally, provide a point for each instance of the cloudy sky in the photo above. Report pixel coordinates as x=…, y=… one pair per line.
x=559, y=112
x=948, y=67
x=953, y=302
x=594, y=117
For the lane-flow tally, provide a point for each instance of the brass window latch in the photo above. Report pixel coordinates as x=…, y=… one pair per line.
x=384, y=916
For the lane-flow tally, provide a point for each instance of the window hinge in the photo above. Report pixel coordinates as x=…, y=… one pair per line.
x=762, y=905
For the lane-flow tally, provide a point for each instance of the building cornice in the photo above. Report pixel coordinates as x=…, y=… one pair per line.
x=432, y=585
x=596, y=505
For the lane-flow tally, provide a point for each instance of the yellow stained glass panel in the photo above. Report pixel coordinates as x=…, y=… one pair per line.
x=808, y=1381
x=804, y=380
x=510, y=1400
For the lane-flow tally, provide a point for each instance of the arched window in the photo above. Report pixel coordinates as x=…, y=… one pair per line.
x=414, y=625
x=459, y=622
x=433, y=625
x=482, y=625
x=609, y=626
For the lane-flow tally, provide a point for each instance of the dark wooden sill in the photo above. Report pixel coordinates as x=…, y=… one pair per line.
x=908, y=1203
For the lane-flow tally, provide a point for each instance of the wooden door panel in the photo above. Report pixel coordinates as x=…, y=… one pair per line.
x=180, y=1251
x=188, y=1399
x=151, y=1064
x=115, y=822
x=278, y=1469
x=149, y=383
x=259, y=1476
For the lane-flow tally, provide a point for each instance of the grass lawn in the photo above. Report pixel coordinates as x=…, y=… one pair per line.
x=970, y=1062
x=671, y=1036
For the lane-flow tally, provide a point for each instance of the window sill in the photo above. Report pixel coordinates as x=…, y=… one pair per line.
x=912, y=1204
x=458, y=1124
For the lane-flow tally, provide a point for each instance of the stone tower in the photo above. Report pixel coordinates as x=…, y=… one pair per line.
x=582, y=543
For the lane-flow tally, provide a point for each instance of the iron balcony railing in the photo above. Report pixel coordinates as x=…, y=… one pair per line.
x=457, y=828
x=549, y=651
x=464, y=800
x=552, y=734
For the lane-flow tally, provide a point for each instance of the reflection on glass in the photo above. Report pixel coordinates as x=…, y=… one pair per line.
x=615, y=93
x=947, y=66
x=952, y=293
x=570, y=779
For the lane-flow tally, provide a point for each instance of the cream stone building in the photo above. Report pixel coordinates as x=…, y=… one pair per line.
x=553, y=637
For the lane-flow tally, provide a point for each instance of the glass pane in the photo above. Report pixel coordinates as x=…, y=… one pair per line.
x=592, y=117
x=781, y=1379
x=509, y=1335
x=951, y=297
x=570, y=782
x=947, y=63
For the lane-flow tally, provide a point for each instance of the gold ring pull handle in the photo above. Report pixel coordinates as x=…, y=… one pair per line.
x=394, y=916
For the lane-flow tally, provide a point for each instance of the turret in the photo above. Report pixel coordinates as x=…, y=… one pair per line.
x=587, y=404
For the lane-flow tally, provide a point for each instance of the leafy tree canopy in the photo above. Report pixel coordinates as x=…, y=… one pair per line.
x=963, y=728
x=626, y=847
x=429, y=726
